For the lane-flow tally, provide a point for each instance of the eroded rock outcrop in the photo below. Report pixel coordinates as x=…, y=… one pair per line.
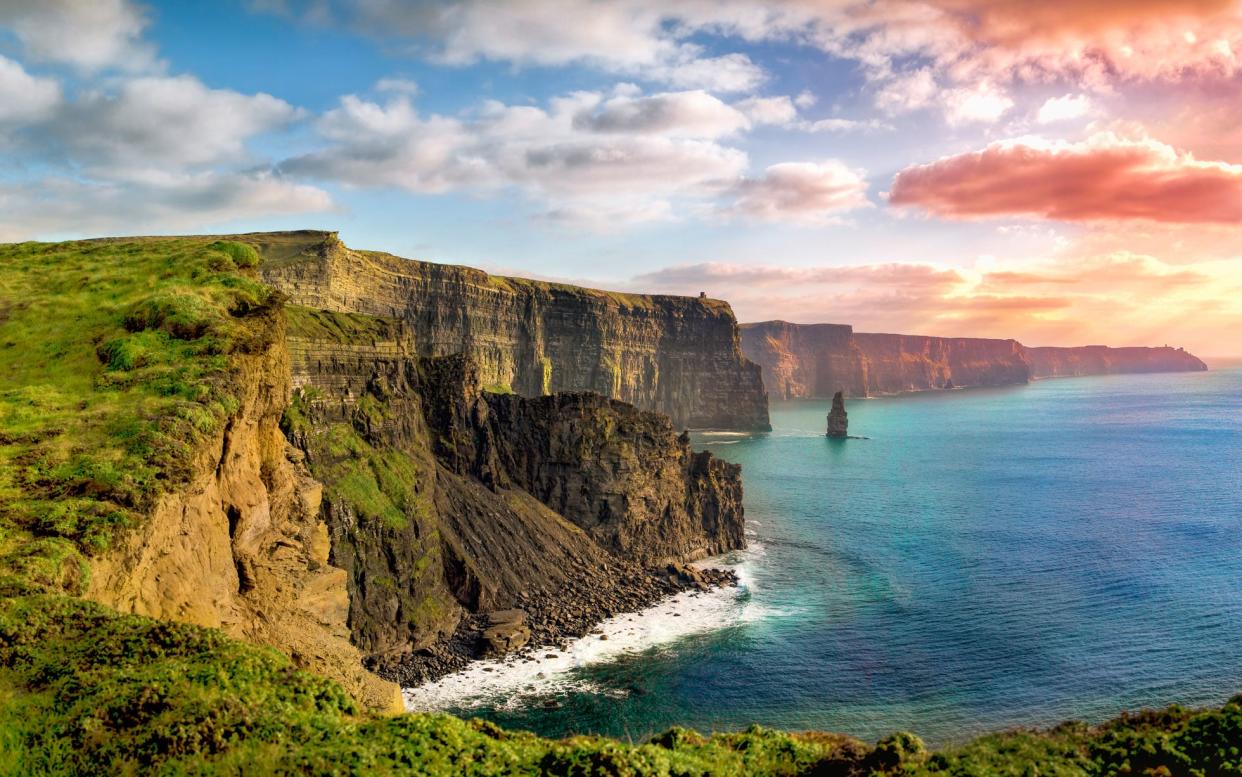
x=814, y=360
x=444, y=500
x=838, y=419
x=675, y=355
x=243, y=546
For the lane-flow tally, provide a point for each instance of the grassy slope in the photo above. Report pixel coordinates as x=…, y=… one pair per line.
x=114, y=362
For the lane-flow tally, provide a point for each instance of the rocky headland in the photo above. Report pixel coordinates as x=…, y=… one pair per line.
x=817, y=360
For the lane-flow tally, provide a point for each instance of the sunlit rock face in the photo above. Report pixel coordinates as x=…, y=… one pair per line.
x=817, y=360
x=675, y=355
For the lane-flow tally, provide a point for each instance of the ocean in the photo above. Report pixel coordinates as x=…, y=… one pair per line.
x=985, y=559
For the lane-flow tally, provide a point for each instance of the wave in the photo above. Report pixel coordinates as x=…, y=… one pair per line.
x=515, y=682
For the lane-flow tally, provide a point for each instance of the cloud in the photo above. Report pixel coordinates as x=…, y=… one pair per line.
x=1063, y=108
x=583, y=158
x=546, y=151
x=695, y=114
x=397, y=86
x=60, y=206
x=1122, y=298
x=86, y=34
x=1104, y=178
x=807, y=193
x=981, y=103
x=158, y=123
x=780, y=110
x=628, y=37
x=907, y=92
x=25, y=99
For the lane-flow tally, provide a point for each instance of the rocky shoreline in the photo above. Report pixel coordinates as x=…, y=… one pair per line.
x=545, y=619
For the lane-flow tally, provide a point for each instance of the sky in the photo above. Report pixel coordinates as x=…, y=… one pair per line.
x=1062, y=173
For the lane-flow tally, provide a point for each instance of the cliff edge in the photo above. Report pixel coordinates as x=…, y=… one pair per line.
x=679, y=356
x=816, y=360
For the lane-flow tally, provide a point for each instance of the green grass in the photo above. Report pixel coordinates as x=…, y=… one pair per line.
x=114, y=363
x=86, y=691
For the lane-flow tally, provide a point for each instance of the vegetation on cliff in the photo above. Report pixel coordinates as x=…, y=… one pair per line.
x=115, y=363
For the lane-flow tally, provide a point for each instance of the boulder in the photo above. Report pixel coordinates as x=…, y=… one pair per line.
x=506, y=632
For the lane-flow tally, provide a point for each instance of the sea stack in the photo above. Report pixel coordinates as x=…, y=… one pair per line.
x=838, y=422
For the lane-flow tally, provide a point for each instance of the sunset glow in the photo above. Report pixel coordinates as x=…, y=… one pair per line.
x=1059, y=173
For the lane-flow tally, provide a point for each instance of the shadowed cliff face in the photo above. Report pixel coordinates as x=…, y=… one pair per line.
x=816, y=360
x=676, y=355
x=443, y=499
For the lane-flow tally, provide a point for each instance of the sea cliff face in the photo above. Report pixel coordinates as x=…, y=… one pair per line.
x=816, y=360
x=201, y=450
x=1101, y=360
x=675, y=355
x=445, y=501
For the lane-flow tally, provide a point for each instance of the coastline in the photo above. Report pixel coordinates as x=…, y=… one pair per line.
x=588, y=598
x=534, y=677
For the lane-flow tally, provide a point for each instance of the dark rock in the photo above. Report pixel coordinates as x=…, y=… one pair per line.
x=838, y=421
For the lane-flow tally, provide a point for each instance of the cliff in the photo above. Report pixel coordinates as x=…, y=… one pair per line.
x=179, y=442
x=1051, y=362
x=151, y=391
x=444, y=500
x=816, y=360
x=675, y=355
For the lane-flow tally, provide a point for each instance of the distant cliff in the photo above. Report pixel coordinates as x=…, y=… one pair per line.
x=1102, y=360
x=676, y=355
x=816, y=360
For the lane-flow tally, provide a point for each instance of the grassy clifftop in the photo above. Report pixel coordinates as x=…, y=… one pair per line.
x=114, y=363
x=117, y=359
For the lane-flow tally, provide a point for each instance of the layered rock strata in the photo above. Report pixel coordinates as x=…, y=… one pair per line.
x=445, y=501
x=675, y=355
x=817, y=360
x=244, y=546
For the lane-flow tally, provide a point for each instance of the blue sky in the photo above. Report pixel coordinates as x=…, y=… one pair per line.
x=1036, y=159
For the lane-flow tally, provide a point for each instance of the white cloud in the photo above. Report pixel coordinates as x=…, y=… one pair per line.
x=676, y=114
x=156, y=123
x=807, y=193
x=907, y=92
x=846, y=125
x=25, y=98
x=87, y=34
x=581, y=155
x=397, y=86
x=629, y=37
x=1064, y=108
x=56, y=206
x=982, y=104
x=779, y=110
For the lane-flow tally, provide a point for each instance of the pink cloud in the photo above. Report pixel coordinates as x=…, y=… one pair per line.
x=1105, y=178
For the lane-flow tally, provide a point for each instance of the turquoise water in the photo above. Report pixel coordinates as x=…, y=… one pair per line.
x=987, y=559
